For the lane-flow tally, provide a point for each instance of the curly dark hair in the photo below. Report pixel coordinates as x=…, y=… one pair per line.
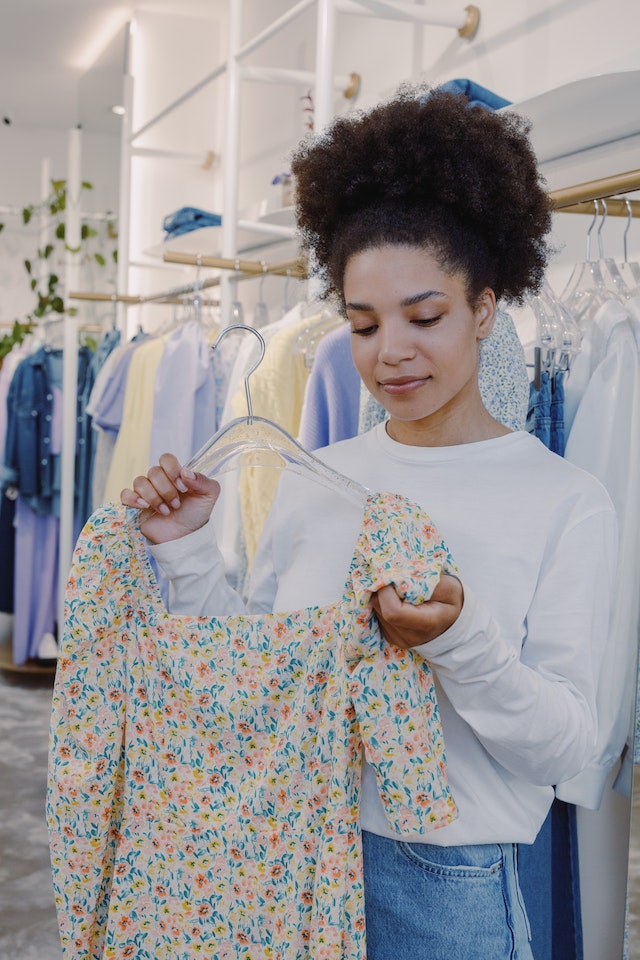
x=428, y=171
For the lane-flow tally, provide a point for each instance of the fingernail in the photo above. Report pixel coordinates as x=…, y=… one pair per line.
x=164, y=509
x=142, y=503
x=182, y=487
x=189, y=474
x=175, y=503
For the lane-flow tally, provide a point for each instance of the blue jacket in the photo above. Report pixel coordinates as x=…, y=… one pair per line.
x=28, y=463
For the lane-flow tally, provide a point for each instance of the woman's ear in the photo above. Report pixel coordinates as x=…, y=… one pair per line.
x=485, y=313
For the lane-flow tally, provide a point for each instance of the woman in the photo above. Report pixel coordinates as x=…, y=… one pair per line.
x=420, y=215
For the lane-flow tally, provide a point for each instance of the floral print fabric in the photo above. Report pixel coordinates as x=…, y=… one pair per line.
x=204, y=773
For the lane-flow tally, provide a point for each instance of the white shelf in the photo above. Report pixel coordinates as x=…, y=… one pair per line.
x=208, y=240
x=583, y=114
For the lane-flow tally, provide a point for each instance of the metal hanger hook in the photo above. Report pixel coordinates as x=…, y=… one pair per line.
x=596, y=204
x=243, y=326
x=602, y=222
x=627, y=204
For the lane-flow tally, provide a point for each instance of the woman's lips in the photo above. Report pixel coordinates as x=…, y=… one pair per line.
x=402, y=385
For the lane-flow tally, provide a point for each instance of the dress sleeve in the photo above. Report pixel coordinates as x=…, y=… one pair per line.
x=86, y=765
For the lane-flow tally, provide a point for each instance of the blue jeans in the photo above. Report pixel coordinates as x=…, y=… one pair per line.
x=425, y=902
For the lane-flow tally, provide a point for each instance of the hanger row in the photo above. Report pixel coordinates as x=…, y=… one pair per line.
x=579, y=198
x=245, y=269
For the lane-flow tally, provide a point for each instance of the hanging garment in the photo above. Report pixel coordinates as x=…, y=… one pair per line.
x=545, y=417
x=184, y=394
x=605, y=440
x=29, y=464
x=131, y=451
x=204, y=778
x=331, y=405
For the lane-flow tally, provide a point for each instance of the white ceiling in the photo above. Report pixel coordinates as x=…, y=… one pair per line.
x=48, y=46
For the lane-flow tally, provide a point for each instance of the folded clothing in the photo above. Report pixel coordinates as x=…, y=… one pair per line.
x=186, y=219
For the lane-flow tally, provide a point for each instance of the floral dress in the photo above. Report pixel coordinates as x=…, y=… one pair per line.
x=204, y=773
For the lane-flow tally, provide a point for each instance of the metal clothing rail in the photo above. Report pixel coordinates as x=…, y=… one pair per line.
x=601, y=189
x=244, y=269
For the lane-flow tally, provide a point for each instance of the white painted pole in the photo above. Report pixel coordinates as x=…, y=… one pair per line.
x=124, y=197
x=69, y=372
x=45, y=232
x=231, y=158
x=325, y=45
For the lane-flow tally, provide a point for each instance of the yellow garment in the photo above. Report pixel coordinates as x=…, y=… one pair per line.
x=131, y=452
x=277, y=393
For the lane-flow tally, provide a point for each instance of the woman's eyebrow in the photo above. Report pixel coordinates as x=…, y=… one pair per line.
x=407, y=302
x=419, y=297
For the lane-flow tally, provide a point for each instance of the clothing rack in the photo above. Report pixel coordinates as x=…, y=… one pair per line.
x=245, y=269
x=566, y=199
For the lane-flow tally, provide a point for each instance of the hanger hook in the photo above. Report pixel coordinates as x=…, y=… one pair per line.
x=627, y=204
x=264, y=273
x=596, y=204
x=243, y=326
x=604, y=217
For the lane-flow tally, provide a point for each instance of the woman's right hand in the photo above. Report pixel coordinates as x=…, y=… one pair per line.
x=175, y=501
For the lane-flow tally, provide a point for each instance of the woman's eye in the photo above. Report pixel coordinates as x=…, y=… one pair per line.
x=426, y=321
x=364, y=331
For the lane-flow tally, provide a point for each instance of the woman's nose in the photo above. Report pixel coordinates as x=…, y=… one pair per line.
x=395, y=344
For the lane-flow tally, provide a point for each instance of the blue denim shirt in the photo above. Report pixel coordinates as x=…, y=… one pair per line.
x=28, y=463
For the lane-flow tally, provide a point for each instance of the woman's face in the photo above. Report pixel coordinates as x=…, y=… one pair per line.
x=415, y=343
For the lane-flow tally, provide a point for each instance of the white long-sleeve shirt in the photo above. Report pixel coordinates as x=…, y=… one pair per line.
x=535, y=541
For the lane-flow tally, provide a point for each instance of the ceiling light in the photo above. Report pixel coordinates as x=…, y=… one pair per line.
x=118, y=109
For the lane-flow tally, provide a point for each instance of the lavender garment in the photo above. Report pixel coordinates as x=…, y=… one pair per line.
x=108, y=410
x=332, y=396
x=36, y=580
x=184, y=398
x=36, y=563
x=35, y=595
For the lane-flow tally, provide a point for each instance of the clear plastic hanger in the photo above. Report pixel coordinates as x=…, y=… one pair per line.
x=612, y=276
x=630, y=269
x=254, y=441
x=237, y=311
x=261, y=310
x=586, y=289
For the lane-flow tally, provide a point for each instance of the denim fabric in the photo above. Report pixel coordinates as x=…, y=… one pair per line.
x=545, y=416
x=539, y=412
x=7, y=551
x=187, y=219
x=28, y=463
x=550, y=881
x=426, y=902
x=556, y=439
x=86, y=439
x=476, y=95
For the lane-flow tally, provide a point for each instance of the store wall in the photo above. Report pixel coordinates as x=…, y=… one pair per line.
x=521, y=49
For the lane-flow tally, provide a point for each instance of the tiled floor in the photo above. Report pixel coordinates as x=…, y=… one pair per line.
x=27, y=918
x=28, y=929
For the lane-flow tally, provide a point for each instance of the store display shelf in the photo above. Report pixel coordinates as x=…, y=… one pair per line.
x=33, y=668
x=583, y=114
x=253, y=234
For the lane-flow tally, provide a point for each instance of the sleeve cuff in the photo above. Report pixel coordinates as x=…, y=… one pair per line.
x=195, y=550
x=585, y=789
x=456, y=634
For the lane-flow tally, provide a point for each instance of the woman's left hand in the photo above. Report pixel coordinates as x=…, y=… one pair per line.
x=408, y=625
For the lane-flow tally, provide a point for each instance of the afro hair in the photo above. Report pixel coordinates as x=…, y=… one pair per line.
x=426, y=170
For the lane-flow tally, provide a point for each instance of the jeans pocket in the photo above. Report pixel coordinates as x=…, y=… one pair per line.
x=480, y=861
